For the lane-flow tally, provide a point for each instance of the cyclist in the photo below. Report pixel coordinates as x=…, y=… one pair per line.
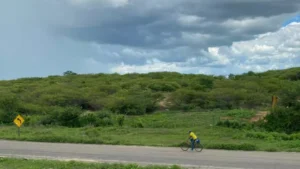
x=194, y=139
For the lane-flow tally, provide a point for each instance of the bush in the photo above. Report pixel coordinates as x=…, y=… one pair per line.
x=295, y=136
x=232, y=124
x=101, y=118
x=121, y=119
x=106, y=121
x=134, y=105
x=28, y=108
x=88, y=119
x=68, y=117
x=9, y=105
x=272, y=136
x=257, y=135
x=240, y=113
x=137, y=124
x=48, y=120
x=32, y=120
x=7, y=117
x=283, y=120
x=163, y=86
x=103, y=114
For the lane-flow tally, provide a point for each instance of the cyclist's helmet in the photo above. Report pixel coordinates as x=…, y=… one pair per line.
x=190, y=131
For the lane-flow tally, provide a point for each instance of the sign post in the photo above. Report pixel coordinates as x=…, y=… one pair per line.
x=19, y=120
x=274, y=101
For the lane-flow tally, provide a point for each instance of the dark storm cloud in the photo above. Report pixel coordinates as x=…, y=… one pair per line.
x=143, y=25
x=254, y=8
x=96, y=35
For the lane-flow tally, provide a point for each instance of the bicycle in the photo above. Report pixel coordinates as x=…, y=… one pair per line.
x=187, y=144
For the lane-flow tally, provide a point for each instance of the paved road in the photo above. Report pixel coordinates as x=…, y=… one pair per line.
x=213, y=159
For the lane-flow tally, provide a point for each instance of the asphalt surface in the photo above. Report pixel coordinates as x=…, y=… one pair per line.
x=212, y=159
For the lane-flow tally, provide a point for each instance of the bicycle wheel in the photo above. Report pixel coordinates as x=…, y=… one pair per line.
x=198, y=147
x=184, y=146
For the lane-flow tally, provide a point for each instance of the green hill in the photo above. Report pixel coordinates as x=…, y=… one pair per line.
x=119, y=109
x=144, y=93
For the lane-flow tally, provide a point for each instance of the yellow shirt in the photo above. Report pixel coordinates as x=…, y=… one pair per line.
x=193, y=135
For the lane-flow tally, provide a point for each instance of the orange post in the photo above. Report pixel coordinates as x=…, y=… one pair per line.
x=274, y=101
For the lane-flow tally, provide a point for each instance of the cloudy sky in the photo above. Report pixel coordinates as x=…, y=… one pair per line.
x=48, y=37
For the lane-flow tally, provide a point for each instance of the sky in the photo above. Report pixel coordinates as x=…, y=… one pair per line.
x=39, y=38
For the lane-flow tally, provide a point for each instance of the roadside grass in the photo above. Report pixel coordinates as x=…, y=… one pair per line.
x=12, y=163
x=239, y=114
x=165, y=129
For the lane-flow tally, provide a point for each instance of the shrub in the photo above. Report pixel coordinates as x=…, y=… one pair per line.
x=137, y=124
x=32, y=120
x=272, y=136
x=106, y=121
x=131, y=106
x=68, y=117
x=295, y=136
x=257, y=135
x=48, y=120
x=163, y=86
x=29, y=108
x=241, y=113
x=88, y=119
x=9, y=103
x=103, y=114
x=232, y=124
x=283, y=120
x=101, y=118
x=7, y=117
x=121, y=119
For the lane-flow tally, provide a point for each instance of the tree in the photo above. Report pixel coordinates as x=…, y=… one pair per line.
x=231, y=76
x=69, y=72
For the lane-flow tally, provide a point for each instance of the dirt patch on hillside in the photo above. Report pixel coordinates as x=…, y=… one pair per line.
x=165, y=103
x=260, y=115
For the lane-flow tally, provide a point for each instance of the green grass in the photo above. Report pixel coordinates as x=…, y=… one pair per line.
x=240, y=114
x=167, y=129
x=10, y=163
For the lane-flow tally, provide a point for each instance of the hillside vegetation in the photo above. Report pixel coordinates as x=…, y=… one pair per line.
x=66, y=100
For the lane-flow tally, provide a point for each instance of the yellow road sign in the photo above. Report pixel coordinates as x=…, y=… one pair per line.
x=19, y=120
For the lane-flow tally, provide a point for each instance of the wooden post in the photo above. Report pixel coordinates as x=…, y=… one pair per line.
x=274, y=101
x=18, y=131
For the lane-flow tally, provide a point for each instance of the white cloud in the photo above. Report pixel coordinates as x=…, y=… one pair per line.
x=276, y=45
x=153, y=65
x=276, y=50
x=189, y=20
x=218, y=57
x=156, y=65
x=243, y=23
x=271, y=50
x=139, y=53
